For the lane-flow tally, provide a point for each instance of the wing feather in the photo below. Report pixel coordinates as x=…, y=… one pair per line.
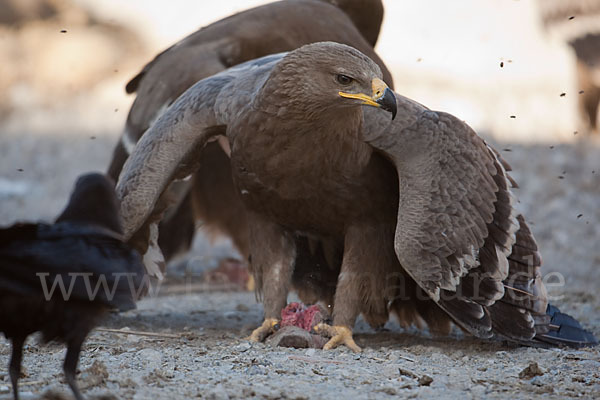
x=458, y=235
x=166, y=150
x=456, y=221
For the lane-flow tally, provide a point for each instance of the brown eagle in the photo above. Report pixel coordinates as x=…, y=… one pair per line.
x=280, y=26
x=419, y=205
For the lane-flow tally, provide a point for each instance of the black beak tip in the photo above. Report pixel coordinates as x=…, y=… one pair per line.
x=388, y=102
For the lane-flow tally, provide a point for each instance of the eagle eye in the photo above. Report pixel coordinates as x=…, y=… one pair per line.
x=343, y=79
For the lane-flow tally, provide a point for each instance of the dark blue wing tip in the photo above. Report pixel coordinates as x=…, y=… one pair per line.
x=567, y=330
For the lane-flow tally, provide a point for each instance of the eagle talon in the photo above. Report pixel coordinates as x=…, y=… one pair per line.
x=268, y=327
x=339, y=335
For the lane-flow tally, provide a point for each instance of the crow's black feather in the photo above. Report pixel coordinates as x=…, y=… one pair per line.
x=84, y=251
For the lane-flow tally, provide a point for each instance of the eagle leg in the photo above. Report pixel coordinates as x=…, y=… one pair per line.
x=273, y=253
x=268, y=327
x=339, y=335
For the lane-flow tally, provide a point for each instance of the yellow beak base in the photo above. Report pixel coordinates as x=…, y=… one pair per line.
x=378, y=87
x=382, y=97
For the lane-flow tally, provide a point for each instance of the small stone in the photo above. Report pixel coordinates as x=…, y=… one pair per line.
x=532, y=370
x=408, y=373
x=425, y=380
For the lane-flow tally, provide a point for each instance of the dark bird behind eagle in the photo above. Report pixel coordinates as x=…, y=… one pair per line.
x=419, y=205
x=60, y=279
x=272, y=28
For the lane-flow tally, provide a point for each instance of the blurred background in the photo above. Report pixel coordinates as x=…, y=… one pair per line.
x=495, y=64
x=447, y=55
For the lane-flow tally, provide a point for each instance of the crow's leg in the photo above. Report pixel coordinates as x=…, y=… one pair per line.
x=15, y=364
x=70, y=365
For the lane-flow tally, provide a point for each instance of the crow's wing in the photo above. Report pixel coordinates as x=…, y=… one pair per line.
x=72, y=261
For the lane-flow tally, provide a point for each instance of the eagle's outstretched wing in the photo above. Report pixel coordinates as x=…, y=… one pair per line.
x=458, y=234
x=167, y=150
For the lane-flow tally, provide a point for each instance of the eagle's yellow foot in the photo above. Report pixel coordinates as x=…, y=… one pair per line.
x=262, y=332
x=339, y=335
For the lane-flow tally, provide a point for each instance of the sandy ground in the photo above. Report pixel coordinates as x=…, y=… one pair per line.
x=203, y=353
x=200, y=351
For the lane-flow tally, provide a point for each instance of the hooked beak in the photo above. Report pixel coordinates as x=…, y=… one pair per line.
x=382, y=97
